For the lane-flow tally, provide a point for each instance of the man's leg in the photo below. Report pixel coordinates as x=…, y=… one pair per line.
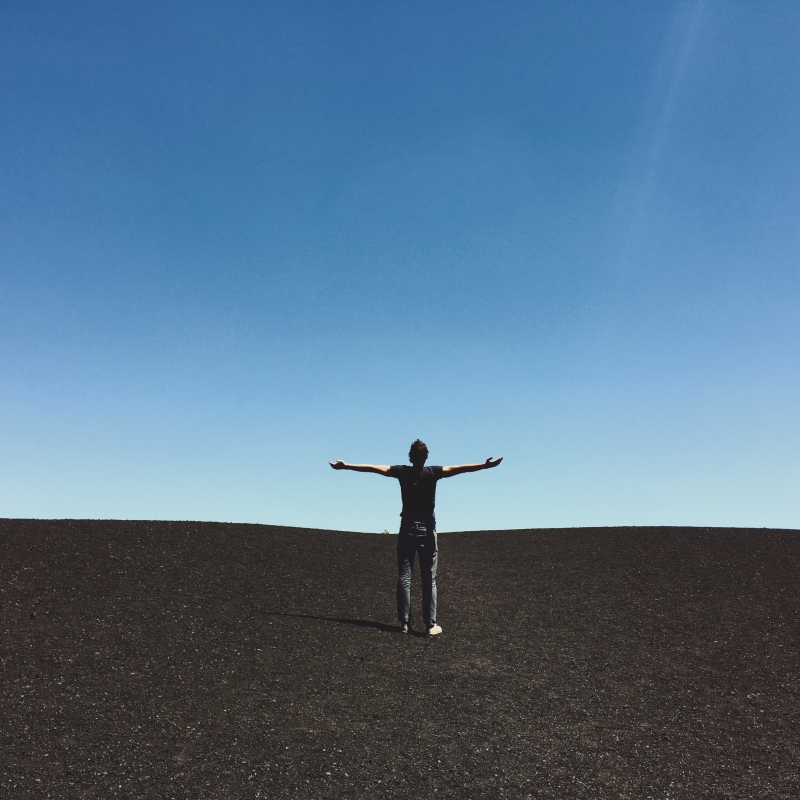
x=428, y=562
x=405, y=564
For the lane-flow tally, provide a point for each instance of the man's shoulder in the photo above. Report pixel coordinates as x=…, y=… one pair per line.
x=435, y=471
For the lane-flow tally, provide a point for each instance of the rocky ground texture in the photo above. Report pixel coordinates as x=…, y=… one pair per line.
x=204, y=660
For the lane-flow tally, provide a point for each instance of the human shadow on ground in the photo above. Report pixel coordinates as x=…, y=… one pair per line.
x=360, y=623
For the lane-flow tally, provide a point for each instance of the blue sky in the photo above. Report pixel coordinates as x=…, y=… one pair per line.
x=238, y=240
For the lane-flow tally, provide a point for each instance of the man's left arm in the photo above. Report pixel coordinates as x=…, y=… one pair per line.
x=449, y=472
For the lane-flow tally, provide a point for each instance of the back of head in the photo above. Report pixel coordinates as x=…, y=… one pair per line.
x=418, y=453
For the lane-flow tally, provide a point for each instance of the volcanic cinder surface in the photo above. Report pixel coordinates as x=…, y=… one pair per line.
x=204, y=660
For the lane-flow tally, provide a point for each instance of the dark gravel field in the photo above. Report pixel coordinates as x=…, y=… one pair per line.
x=204, y=660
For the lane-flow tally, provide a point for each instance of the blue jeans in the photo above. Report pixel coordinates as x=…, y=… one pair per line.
x=417, y=537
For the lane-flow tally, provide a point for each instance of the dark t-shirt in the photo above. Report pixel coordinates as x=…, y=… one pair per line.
x=418, y=488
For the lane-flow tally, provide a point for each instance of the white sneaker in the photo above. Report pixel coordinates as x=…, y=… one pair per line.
x=434, y=630
x=403, y=627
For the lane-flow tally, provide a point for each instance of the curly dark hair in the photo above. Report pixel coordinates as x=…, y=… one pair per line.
x=418, y=453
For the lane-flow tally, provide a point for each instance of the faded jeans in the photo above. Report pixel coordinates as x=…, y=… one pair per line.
x=417, y=537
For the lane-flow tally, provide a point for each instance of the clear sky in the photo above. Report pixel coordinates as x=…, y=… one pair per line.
x=238, y=240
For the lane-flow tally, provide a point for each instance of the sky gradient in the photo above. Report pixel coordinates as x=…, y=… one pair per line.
x=238, y=240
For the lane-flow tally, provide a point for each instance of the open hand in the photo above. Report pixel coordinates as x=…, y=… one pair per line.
x=337, y=464
x=492, y=462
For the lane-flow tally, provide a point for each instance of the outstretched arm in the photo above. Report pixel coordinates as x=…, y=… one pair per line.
x=378, y=470
x=448, y=472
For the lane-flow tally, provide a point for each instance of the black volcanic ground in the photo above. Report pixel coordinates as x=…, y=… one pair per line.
x=202, y=660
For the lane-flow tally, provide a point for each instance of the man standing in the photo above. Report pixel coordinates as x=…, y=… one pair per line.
x=417, y=526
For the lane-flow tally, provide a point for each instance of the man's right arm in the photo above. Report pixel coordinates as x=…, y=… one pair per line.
x=378, y=470
x=448, y=472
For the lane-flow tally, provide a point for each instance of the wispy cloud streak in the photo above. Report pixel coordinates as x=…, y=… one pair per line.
x=644, y=185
